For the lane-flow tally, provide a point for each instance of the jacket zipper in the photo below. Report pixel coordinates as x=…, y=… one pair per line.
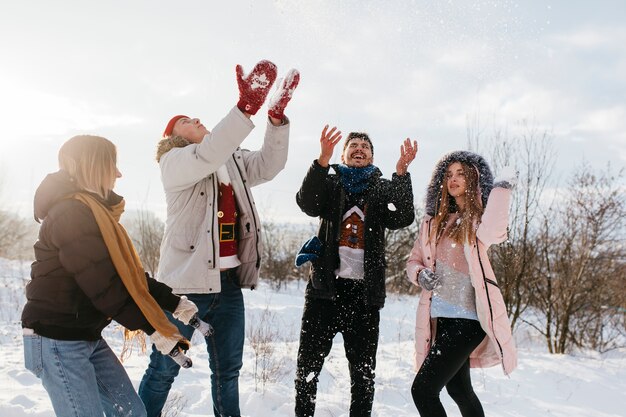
x=337, y=236
x=487, y=280
x=215, y=207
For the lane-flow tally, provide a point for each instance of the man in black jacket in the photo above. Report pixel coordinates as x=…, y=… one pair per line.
x=346, y=288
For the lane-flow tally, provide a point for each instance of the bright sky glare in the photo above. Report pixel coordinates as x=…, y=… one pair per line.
x=407, y=68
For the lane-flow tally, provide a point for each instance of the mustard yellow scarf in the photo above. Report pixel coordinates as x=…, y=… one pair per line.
x=127, y=262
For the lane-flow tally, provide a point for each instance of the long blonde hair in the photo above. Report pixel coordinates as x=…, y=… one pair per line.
x=91, y=161
x=464, y=228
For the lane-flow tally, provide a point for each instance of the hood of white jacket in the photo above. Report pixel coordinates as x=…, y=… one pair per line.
x=167, y=144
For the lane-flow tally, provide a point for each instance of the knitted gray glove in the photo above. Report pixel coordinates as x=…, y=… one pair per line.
x=202, y=326
x=427, y=279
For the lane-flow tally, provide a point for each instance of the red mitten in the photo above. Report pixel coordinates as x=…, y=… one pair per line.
x=254, y=87
x=283, y=94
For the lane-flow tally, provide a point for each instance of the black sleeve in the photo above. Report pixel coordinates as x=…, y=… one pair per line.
x=400, y=194
x=312, y=198
x=83, y=253
x=162, y=294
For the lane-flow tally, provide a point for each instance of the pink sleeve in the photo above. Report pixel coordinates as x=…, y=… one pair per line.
x=495, y=220
x=416, y=259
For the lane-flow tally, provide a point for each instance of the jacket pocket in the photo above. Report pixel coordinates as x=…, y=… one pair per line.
x=246, y=227
x=249, y=246
x=184, y=242
x=33, y=360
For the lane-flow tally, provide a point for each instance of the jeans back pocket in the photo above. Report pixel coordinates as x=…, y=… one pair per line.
x=33, y=360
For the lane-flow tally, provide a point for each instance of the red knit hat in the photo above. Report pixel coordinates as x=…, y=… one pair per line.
x=170, y=125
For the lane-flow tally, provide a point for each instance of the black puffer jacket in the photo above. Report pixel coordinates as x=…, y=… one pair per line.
x=75, y=290
x=322, y=195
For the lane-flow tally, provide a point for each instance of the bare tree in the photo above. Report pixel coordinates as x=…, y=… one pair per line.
x=146, y=231
x=281, y=243
x=564, y=260
x=532, y=154
x=263, y=335
x=17, y=234
x=582, y=282
x=398, y=245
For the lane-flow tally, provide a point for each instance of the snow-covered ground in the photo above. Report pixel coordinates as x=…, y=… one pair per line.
x=588, y=385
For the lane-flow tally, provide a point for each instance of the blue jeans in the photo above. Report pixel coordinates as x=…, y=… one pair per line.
x=83, y=378
x=225, y=312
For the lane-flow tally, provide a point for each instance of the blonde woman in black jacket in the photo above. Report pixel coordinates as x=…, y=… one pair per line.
x=86, y=273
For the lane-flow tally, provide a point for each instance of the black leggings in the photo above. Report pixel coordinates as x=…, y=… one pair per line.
x=447, y=364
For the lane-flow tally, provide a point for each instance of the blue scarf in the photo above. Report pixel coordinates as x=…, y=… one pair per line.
x=355, y=179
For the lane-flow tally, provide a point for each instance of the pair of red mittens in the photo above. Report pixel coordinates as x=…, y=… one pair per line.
x=254, y=88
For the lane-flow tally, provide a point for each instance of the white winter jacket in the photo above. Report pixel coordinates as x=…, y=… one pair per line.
x=189, y=260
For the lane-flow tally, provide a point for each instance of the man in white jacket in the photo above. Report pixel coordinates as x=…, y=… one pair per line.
x=211, y=247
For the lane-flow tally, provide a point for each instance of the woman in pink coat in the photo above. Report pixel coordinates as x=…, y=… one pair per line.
x=461, y=317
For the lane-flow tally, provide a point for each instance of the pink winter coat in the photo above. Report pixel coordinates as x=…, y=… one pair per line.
x=498, y=346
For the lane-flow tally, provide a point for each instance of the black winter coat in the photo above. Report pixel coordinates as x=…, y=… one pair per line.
x=75, y=290
x=323, y=195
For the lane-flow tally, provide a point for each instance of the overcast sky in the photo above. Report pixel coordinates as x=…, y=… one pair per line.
x=395, y=69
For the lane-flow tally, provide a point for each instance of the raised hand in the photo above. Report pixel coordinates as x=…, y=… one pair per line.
x=254, y=87
x=328, y=141
x=283, y=94
x=408, y=151
x=507, y=178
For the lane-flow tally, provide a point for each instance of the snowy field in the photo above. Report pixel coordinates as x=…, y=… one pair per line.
x=586, y=385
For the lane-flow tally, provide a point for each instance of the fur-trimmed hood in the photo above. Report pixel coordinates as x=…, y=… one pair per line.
x=485, y=178
x=167, y=144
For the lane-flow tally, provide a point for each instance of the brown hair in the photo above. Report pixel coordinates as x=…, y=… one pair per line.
x=358, y=135
x=91, y=161
x=464, y=228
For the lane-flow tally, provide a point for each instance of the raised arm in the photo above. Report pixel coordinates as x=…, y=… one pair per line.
x=493, y=228
x=401, y=191
x=264, y=164
x=408, y=151
x=400, y=211
x=328, y=140
x=183, y=167
x=313, y=196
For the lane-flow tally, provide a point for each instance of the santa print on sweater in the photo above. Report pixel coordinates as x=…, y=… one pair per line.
x=227, y=220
